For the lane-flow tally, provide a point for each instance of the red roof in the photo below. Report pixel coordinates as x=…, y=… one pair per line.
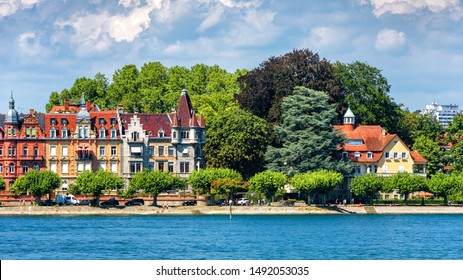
x=185, y=115
x=417, y=157
x=152, y=123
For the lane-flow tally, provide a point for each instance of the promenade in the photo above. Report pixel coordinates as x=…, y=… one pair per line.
x=216, y=210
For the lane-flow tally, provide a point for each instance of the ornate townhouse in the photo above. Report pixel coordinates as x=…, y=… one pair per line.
x=88, y=140
x=373, y=150
x=71, y=139
x=22, y=143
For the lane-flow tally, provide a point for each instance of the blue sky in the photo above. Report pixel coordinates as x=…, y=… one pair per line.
x=46, y=44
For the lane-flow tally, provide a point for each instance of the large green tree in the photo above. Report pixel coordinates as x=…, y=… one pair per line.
x=444, y=185
x=368, y=185
x=238, y=140
x=308, y=140
x=424, y=125
x=268, y=183
x=97, y=183
x=214, y=181
x=2, y=184
x=366, y=90
x=431, y=151
x=264, y=87
x=316, y=182
x=405, y=184
x=37, y=183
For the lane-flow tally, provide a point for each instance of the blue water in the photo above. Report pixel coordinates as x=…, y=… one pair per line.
x=308, y=237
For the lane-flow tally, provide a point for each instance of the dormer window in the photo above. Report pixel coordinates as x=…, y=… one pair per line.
x=64, y=133
x=81, y=132
x=134, y=136
x=86, y=132
x=369, y=155
x=357, y=155
x=33, y=132
x=52, y=132
x=355, y=142
x=28, y=132
x=102, y=133
x=161, y=133
x=113, y=133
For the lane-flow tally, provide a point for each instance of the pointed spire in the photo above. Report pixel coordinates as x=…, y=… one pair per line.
x=175, y=120
x=194, y=120
x=202, y=122
x=349, y=117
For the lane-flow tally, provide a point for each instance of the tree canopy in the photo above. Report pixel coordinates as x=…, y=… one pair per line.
x=97, y=183
x=368, y=185
x=316, y=182
x=268, y=183
x=308, y=140
x=37, y=183
x=236, y=139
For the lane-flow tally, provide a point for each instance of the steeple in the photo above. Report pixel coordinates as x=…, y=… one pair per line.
x=12, y=115
x=349, y=117
x=83, y=114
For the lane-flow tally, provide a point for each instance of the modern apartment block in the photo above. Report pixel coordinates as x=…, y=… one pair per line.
x=443, y=113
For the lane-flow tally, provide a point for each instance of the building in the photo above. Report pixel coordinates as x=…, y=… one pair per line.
x=443, y=113
x=373, y=150
x=22, y=143
x=71, y=139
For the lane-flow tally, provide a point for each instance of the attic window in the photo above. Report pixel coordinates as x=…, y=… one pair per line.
x=369, y=155
x=355, y=142
x=357, y=155
x=161, y=133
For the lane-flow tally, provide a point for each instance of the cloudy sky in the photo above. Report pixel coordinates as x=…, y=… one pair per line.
x=46, y=44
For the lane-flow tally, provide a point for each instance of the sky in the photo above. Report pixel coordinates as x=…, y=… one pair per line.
x=45, y=45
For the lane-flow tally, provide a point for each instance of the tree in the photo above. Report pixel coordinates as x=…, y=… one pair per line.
x=37, y=183
x=53, y=101
x=202, y=181
x=308, y=140
x=430, y=150
x=124, y=89
x=422, y=125
x=366, y=90
x=97, y=183
x=263, y=88
x=236, y=139
x=154, y=182
x=316, y=182
x=445, y=184
x=405, y=184
x=2, y=184
x=368, y=185
x=268, y=183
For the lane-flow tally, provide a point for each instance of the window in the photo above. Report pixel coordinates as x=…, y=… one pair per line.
x=52, y=150
x=358, y=169
x=88, y=166
x=81, y=133
x=170, y=167
x=369, y=155
x=395, y=155
x=113, y=151
x=135, y=151
x=357, y=155
x=185, y=152
x=170, y=151
x=161, y=133
x=401, y=168
x=9, y=131
x=28, y=132
x=11, y=151
x=184, y=167
x=25, y=151
x=101, y=165
x=64, y=121
x=1, y=168
x=64, y=167
x=134, y=136
x=53, y=167
x=185, y=134
x=114, y=167
x=404, y=155
x=345, y=155
x=11, y=168
x=113, y=133
x=151, y=151
x=113, y=120
x=86, y=131
x=36, y=166
x=64, y=133
x=33, y=132
x=102, y=151
x=52, y=133
x=64, y=151
x=161, y=151
x=1, y=151
x=161, y=165
x=102, y=133
x=101, y=121
x=135, y=167
x=386, y=154
x=355, y=142
x=36, y=151
x=174, y=135
x=80, y=167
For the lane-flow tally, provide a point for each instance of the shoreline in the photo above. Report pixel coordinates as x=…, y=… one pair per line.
x=216, y=210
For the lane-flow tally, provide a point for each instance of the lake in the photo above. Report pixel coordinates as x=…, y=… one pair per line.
x=296, y=237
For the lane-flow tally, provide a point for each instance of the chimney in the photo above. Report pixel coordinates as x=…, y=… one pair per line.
x=66, y=105
x=31, y=111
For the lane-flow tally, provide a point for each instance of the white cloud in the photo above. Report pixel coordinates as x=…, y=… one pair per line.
x=401, y=7
x=29, y=45
x=9, y=7
x=390, y=40
x=323, y=37
x=129, y=3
